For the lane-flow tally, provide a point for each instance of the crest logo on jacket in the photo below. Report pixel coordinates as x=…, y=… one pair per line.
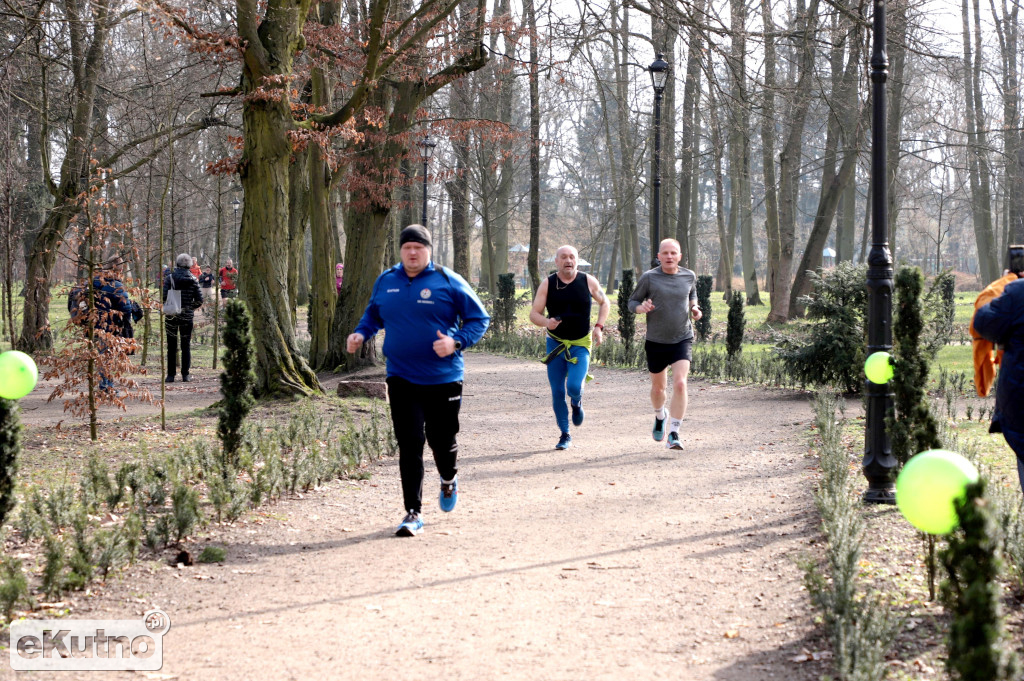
x=425, y=293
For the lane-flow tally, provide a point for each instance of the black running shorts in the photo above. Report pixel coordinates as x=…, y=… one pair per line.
x=660, y=356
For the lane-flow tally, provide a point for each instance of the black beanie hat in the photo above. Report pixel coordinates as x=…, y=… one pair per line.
x=416, y=233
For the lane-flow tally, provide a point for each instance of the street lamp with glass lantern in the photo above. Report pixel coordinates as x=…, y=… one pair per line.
x=879, y=465
x=426, y=146
x=659, y=77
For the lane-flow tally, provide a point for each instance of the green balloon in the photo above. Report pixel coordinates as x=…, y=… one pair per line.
x=878, y=368
x=927, y=487
x=18, y=375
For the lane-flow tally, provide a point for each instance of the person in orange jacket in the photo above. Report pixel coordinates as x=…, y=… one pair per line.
x=1001, y=321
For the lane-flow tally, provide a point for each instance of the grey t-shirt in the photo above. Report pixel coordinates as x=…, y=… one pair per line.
x=672, y=295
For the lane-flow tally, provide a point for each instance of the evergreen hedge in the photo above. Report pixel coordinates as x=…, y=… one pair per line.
x=627, y=319
x=705, y=283
x=236, y=381
x=911, y=425
x=735, y=326
x=10, y=446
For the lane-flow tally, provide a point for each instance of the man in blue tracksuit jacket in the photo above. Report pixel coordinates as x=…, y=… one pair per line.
x=429, y=315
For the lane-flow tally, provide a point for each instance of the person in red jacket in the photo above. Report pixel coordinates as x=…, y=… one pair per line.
x=228, y=279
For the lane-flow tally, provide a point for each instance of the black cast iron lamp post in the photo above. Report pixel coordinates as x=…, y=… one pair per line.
x=426, y=151
x=879, y=464
x=659, y=76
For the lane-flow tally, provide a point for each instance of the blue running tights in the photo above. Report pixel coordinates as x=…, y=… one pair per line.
x=566, y=377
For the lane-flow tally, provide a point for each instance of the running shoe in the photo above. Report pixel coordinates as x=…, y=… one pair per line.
x=577, y=413
x=564, y=441
x=449, y=494
x=659, y=429
x=411, y=525
x=673, y=441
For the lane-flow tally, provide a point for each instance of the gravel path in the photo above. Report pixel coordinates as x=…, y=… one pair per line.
x=614, y=559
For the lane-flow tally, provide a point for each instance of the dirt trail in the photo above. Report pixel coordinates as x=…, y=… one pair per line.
x=614, y=559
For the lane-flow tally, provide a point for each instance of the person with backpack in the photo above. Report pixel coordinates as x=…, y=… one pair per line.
x=114, y=309
x=179, y=312
x=429, y=315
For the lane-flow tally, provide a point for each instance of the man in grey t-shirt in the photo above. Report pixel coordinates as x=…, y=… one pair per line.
x=668, y=296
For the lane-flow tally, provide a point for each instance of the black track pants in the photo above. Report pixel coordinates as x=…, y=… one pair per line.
x=424, y=414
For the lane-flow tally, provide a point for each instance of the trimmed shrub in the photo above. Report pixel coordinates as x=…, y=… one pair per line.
x=736, y=325
x=705, y=282
x=505, y=303
x=627, y=319
x=236, y=382
x=10, y=446
x=911, y=424
x=977, y=646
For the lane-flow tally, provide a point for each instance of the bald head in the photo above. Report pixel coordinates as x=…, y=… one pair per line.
x=669, y=255
x=565, y=263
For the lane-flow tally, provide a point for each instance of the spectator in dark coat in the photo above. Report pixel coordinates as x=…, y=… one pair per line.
x=1002, y=321
x=114, y=308
x=179, y=326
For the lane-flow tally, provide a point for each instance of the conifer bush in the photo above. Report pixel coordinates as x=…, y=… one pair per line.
x=911, y=425
x=627, y=319
x=236, y=382
x=10, y=446
x=736, y=325
x=939, y=313
x=978, y=649
x=703, y=325
x=13, y=586
x=833, y=351
x=505, y=304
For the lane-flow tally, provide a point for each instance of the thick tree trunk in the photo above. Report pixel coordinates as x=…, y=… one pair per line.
x=534, y=255
x=87, y=53
x=790, y=159
x=631, y=254
x=264, y=172
x=688, y=159
x=841, y=124
x=458, y=194
x=723, y=277
x=896, y=33
x=771, y=190
x=36, y=335
x=1008, y=32
x=739, y=145
x=980, y=175
x=263, y=248
x=298, y=223
x=324, y=298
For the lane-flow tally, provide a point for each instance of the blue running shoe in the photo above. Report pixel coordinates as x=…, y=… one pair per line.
x=411, y=525
x=659, y=429
x=564, y=441
x=673, y=441
x=577, y=414
x=449, y=494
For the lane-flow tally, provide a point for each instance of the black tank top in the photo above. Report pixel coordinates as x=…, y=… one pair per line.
x=571, y=302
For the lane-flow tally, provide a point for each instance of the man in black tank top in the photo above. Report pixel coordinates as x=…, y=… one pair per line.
x=567, y=295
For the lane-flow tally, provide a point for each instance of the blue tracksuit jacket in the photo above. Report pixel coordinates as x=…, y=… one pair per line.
x=412, y=311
